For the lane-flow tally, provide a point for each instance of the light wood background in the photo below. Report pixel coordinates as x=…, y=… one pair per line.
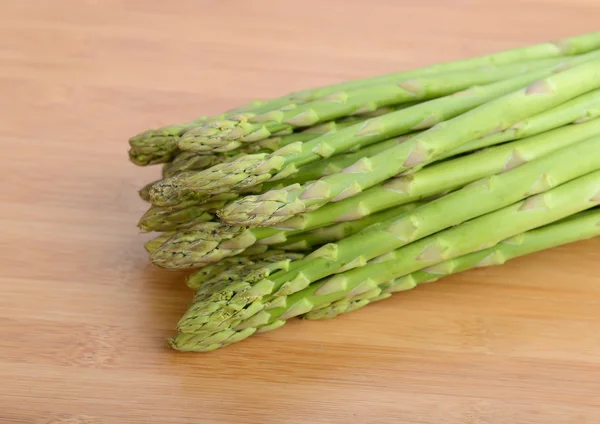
x=84, y=318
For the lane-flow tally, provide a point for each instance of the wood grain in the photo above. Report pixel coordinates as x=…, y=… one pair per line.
x=84, y=318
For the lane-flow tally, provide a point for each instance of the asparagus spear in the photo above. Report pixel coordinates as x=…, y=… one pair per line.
x=211, y=242
x=194, y=161
x=277, y=206
x=255, y=268
x=581, y=226
x=164, y=219
x=243, y=299
x=438, y=178
x=478, y=234
x=578, y=110
x=251, y=129
x=158, y=146
x=184, y=215
x=307, y=173
x=254, y=169
x=565, y=47
x=434, y=255
x=234, y=267
x=197, y=161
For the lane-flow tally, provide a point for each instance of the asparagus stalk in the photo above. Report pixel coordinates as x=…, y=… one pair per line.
x=432, y=180
x=184, y=215
x=578, y=110
x=581, y=109
x=164, y=219
x=243, y=299
x=197, y=161
x=158, y=146
x=277, y=206
x=254, y=169
x=307, y=173
x=433, y=256
x=222, y=132
x=193, y=161
x=196, y=248
x=234, y=267
x=250, y=267
x=581, y=226
x=564, y=47
x=478, y=234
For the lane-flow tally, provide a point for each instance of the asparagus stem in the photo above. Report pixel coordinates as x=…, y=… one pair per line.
x=578, y=110
x=273, y=207
x=185, y=249
x=252, y=170
x=158, y=146
x=434, y=254
x=305, y=174
x=164, y=219
x=211, y=242
x=214, y=134
x=244, y=299
x=538, y=232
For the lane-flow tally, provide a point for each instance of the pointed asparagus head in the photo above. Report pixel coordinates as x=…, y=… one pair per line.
x=206, y=243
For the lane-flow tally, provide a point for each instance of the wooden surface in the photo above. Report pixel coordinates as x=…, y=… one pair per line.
x=84, y=318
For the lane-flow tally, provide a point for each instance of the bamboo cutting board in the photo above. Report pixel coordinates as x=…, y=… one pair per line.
x=84, y=318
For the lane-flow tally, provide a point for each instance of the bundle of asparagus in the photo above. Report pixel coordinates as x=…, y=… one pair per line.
x=325, y=200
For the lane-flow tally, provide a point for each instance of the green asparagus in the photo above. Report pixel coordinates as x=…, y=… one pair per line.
x=160, y=145
x=197, y=161
x=581, y=226
x=254, y=169
x=497, y=115
x=439, y=249
x=255, y=267
x=211, y=242
x=187, y=250
x=579, y=110
x=322, y=201
x=214, y=134
x=243, y=299
x=307, y=173
x=234, y=267
x=164, y=219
